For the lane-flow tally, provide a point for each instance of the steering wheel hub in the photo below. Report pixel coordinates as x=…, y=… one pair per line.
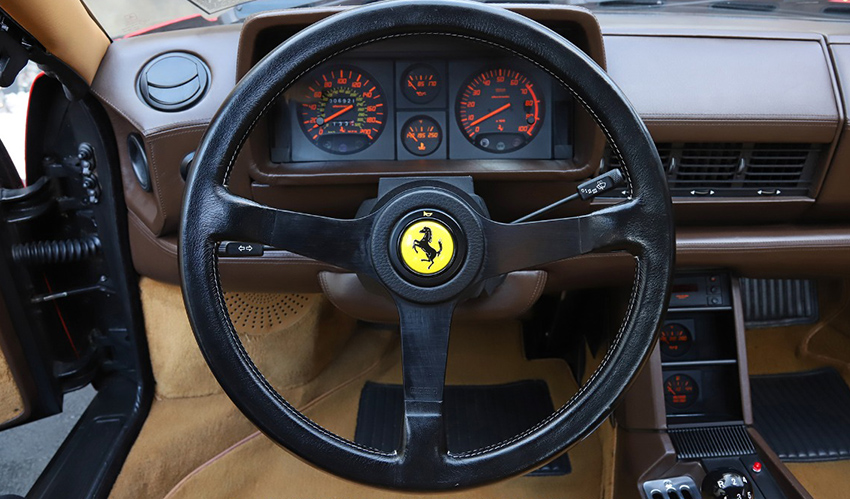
x=430, y=247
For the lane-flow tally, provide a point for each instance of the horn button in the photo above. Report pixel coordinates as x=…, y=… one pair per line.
x=429, y=247
x=427, y=244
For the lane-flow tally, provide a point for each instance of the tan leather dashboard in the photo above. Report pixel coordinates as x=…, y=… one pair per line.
x=730, y=83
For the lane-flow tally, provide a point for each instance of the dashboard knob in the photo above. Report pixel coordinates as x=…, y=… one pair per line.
x=727, y=484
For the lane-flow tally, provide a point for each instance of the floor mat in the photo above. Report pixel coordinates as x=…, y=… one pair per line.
x=805, y=416
x=476, y=416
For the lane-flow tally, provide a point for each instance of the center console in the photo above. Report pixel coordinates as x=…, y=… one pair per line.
x=695, y=439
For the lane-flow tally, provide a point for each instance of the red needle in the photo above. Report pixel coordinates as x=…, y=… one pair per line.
x=490, y=115
x=671, y=390
x=341, y=111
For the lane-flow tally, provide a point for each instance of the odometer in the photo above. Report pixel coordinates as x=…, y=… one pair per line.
x=343, y=110
x=499, y=110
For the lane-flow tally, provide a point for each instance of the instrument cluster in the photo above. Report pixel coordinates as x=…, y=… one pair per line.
x=391, y=109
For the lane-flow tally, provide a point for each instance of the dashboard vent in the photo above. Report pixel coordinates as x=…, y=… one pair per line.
x=707, y=165
x=730, y=169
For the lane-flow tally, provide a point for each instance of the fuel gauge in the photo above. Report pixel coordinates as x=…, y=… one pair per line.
x=421, y=135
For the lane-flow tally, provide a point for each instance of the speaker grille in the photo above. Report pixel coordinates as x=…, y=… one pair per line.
x=257, y=313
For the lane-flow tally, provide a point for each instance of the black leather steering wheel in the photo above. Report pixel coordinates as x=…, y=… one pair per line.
x=642, y=225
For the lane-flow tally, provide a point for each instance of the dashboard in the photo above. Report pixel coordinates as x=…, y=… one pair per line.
x=403, y=107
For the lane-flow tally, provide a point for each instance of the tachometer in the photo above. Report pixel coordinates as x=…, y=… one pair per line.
x=499, y=110
x=343, y=110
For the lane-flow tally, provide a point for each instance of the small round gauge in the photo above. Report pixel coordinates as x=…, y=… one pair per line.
x=420, y=84
x=680, y=391
x=676, y=340
x=343, y=110
x=421, y=135
x=500, y=110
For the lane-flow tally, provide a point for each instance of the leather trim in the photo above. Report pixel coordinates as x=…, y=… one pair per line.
x=510, y=299
x=115, y=83
x=737, y=90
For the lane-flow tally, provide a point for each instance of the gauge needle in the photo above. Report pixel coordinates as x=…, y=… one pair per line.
x=671, y=390
x=334, y=115
x=490, y=114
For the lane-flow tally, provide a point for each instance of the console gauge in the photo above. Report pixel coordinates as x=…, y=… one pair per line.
x=421, y=135
x=499, y=110
x=676, y=340
x=343, y=110
x=680, y=391
x=420, y=84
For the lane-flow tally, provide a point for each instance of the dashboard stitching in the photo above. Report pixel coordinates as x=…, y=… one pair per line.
x=323, y=431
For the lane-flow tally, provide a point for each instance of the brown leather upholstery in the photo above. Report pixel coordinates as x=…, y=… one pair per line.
x=515, y=295
x=736, y=90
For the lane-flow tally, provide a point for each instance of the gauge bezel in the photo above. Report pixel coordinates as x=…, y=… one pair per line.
x=402, y=117
x=440, y=84
x=491, y=72
x=305, y=150
x=540, y=147
x=407, y=124
x=664, y=346
x=694, y=397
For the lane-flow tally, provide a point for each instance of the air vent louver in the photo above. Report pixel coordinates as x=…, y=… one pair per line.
x=736, y=169
x=707, y=165
x=776, y=165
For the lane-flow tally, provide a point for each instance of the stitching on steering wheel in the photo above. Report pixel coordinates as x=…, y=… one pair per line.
x=212, y=258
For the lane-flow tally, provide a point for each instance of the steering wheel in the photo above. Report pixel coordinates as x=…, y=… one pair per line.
x=482, y=248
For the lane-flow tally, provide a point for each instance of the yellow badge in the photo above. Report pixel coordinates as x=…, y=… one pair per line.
x=427, y=247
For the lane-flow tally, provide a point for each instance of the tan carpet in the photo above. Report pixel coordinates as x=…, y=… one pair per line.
x=802, y=348
x=305, y=352
x=11, y=404
x=484, y=354
x=319, y=360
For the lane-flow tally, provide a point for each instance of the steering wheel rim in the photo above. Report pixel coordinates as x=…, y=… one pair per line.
x=642, y=225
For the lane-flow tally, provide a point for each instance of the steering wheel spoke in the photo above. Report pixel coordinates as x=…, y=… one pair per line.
x=527, y=245
x=339, y=242
x=424, y=347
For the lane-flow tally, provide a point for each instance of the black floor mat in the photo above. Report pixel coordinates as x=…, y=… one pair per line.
x=476, y=416
x=804, y=416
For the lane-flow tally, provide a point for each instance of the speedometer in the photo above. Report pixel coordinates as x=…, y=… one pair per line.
x=343, y=110
x=499, y=110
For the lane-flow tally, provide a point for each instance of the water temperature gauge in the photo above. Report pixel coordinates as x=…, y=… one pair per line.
x=421, y=135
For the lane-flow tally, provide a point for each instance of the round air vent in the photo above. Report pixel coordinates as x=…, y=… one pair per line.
x=173, y=82
x=139, y=160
